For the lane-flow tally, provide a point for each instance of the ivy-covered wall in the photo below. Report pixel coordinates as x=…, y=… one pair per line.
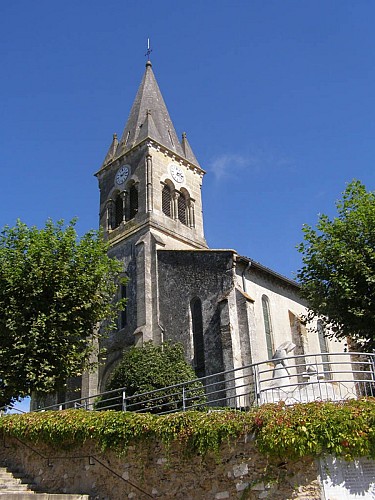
x=239, y=471
x=269, y=452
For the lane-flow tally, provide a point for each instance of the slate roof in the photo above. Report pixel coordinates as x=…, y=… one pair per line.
x=268, y=270
x=149, y=119
x=188, y=152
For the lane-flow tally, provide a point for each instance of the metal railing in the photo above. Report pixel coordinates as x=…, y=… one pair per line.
x=304, y=378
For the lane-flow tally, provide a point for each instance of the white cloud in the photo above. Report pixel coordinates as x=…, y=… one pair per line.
x=227, y=164
x=230, y=164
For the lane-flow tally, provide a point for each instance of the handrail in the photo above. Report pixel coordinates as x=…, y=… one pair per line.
x=250, y=381
x=89, y=457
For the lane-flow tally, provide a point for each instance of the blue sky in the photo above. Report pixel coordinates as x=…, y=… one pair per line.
x=277, y=99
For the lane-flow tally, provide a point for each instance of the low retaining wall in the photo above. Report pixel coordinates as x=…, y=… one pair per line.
x=238, y=471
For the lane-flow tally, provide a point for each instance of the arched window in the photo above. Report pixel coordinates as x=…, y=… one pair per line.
x=323, y=349
x=119, y=210
x=267, y=326
x=123, y=316
x=166, y=201
x=198, y=341
x=133, y=201
x=182, y=209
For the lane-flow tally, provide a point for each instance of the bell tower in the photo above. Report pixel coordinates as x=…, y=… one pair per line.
x=150, y=200
x=150, y=181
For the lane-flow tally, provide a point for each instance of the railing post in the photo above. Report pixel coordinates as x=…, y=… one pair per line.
x=318, y=379
x=372, y=361
x=183, y=398
x=123, y=401
x=256, y=385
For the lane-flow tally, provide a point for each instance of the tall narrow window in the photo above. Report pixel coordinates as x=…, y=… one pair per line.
x=198, y=341
x=267, y=326
x=182, y=209
x=323, y=349
x=119, y=210
x=123, y=316
x=166, y=200
x=299, y=333
x=133, y=202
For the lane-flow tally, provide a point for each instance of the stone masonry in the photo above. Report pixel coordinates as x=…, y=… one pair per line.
x=238, y=471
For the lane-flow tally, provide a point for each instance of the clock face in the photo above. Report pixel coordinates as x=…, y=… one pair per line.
x=122, y=174
x=176, y=173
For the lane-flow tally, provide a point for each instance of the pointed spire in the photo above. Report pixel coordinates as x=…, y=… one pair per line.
x=149, y=111
x=188, y=152
x=112, y=150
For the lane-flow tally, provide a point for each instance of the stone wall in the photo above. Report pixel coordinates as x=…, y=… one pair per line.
x=150, y=471
x=186, y=275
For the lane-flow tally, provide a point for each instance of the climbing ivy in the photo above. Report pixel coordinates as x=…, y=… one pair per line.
x=344, y=429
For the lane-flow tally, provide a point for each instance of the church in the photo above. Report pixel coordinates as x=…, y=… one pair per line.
x=226, y=309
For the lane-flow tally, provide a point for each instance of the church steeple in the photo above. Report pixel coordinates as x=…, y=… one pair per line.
x=150, y=182
x=150, y=201
x=149, y=118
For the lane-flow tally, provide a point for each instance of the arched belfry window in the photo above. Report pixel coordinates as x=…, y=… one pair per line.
x=133, y=201
x=267, y=325
x=182, y=207
x=166, y=200
x=198, y=341
x=119, y=210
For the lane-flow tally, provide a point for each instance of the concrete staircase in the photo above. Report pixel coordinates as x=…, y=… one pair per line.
x=15, y=485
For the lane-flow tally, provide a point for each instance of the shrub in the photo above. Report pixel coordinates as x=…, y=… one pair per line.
x=149, y=368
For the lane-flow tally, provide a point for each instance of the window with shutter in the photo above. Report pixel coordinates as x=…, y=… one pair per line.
x=166, y=201
x=133, y=202
x=182, y=209
x=119, y=211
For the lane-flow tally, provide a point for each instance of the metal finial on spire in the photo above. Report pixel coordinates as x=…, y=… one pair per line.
x=149, y=50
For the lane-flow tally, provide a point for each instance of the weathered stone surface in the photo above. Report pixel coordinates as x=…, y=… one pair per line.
x=184, y=276
x=144, y=473
x=240, y=470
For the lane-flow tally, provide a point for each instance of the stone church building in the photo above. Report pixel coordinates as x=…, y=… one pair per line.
x=226, y=309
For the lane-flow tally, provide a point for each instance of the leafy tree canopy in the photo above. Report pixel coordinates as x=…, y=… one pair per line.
x=54, y=289
x=144, y=369
x=338, y=273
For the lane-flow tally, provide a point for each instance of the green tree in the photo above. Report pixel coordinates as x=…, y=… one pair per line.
x=54, y=289
x=144, y=369
x=338, y=273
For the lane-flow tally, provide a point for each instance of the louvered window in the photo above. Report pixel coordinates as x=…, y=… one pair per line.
x=133, y=202
x=182, y=209
x=119, y=211
x=166, y=201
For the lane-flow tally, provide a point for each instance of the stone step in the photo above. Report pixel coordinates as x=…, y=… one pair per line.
x=16, y=479
x=15, y=485
x=42, y=496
